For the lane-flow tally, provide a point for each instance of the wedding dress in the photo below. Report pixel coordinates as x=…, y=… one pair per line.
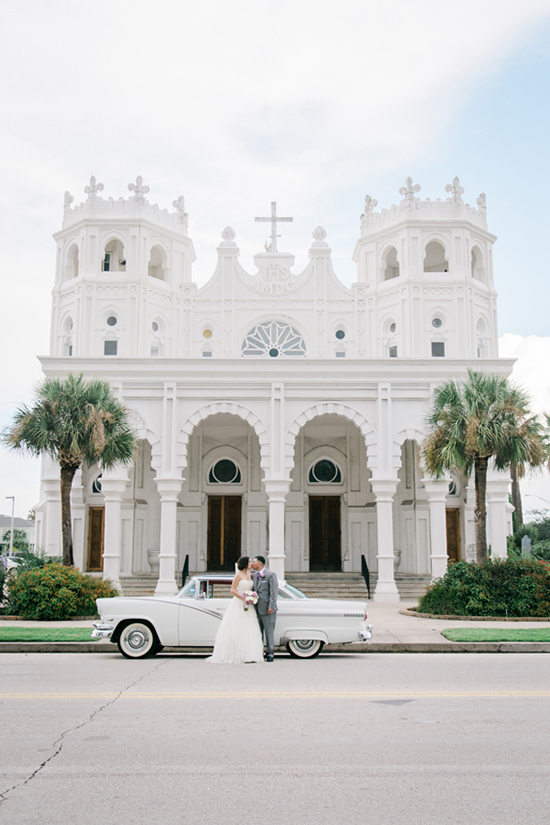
x=239, y=638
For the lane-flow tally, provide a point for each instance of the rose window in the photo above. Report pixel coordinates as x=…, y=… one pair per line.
x=272, y=340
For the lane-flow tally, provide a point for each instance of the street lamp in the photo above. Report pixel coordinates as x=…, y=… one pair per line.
x=11, y=528
x=532, y=495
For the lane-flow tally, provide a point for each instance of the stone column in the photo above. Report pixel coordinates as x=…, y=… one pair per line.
x=436, y=491
x=276, y=495
x=113, y=485
x=50, y=539
x=386, y=588
x=169, y=490
x=498, y=492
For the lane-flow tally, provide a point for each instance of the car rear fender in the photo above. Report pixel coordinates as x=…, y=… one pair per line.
x=296, y=634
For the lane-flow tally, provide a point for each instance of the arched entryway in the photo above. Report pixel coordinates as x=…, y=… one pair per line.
x=327, y=508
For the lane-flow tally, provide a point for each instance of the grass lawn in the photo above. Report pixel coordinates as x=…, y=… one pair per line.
x=492, y=634
x=45, y=634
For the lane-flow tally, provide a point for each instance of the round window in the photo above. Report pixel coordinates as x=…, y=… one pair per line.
x=273, y=352
x=393, y=327
x=225, y=471
x=340, y=334
x=325, y=472
x=207, y=333
x=96, y=485
x=112, y=320
x=437, y=323
x=155, y=326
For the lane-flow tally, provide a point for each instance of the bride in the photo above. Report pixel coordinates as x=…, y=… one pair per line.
x=239, y=638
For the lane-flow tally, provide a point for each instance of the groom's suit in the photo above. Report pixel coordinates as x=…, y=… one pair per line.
x=267, y=588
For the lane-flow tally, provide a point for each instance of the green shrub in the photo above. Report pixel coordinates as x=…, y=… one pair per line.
x=54, y=592
x=500, y=587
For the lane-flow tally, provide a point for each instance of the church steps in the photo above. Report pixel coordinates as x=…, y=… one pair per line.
x=316, y=585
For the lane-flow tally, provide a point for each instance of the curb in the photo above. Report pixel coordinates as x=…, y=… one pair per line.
x=408, y=611
x=367, y=647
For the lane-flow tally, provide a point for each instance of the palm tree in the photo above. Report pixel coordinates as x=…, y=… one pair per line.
x=75, y=422
x=483, y=417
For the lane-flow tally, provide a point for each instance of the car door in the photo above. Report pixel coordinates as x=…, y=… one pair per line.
x=199, y=620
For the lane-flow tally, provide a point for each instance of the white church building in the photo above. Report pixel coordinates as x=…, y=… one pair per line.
x=279, y=412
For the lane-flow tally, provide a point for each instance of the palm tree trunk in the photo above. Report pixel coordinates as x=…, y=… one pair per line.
x=516, y=497
x=480, y=513
x=67, y=475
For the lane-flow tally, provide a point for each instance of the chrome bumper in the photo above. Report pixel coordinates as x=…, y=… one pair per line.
x=366, y=633
x=102, y=630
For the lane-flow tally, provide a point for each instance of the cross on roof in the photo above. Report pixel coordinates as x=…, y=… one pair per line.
x=274, y=220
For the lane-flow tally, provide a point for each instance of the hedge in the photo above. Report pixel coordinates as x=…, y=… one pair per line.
x=499, y=587
x=55, y=592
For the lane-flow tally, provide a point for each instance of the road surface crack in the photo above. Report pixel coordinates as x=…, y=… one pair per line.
x=60, y=741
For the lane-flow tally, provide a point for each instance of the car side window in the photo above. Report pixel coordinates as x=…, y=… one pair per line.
x=220, y=590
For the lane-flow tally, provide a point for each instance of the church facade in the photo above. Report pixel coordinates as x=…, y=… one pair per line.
x=277, y=412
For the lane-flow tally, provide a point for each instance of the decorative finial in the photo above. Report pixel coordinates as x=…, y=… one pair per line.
x=139, y=190
x=93, y=189
x=482, y=204
x=457, y=191
x=179, y=205
x=409, y=191
x=319, y=234
x=365, y=218
x=229, y=234
x=370, y=203
x=67, y=200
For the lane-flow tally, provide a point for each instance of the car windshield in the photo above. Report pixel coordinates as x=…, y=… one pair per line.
x=188, y=590
x=298, y=594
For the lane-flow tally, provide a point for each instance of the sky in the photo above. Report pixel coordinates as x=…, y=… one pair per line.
x=311, y=103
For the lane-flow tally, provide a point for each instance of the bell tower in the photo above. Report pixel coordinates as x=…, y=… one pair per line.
x=426, y=273
x=123, y=272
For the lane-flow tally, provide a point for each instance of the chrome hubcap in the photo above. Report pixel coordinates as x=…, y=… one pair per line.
x=137, y=639
x=305, y=644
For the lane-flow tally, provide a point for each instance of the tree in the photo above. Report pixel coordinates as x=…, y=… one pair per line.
x=75, y=422
x=483, y=417
x=20, y=540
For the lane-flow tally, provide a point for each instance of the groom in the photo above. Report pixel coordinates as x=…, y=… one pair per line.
x=266, y=586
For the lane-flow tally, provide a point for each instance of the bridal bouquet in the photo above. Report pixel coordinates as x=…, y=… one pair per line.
x=250, y=597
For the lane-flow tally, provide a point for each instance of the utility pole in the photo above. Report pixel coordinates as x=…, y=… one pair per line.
x=11, y=528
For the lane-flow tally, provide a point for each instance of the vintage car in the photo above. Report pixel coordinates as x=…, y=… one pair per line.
x=142, y=626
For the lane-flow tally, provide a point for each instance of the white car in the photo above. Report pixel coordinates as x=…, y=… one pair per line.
x=142, y=626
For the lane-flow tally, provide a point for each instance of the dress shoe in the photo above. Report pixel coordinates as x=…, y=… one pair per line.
x=269, y=658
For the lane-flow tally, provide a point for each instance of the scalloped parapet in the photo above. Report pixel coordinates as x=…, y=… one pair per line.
x=414, y=208
x=136, y=206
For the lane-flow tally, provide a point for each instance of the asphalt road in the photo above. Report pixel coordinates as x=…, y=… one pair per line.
x=409, y=739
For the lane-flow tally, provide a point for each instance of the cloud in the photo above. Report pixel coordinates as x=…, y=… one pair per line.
x=236, y=104
x=531, y=369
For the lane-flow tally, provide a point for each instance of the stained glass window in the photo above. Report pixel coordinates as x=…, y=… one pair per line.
x=225, y=471
x=325, y=472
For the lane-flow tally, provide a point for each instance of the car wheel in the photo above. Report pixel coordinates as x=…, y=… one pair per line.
x=304, y=648
x=138, y=640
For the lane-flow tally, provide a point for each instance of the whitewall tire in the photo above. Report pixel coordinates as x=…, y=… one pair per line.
x=304, y=648
x=138, y=640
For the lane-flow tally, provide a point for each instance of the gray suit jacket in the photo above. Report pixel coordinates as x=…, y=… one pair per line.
x=267, y=588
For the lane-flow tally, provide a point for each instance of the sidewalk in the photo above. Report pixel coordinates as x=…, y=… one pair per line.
x=393, y=633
